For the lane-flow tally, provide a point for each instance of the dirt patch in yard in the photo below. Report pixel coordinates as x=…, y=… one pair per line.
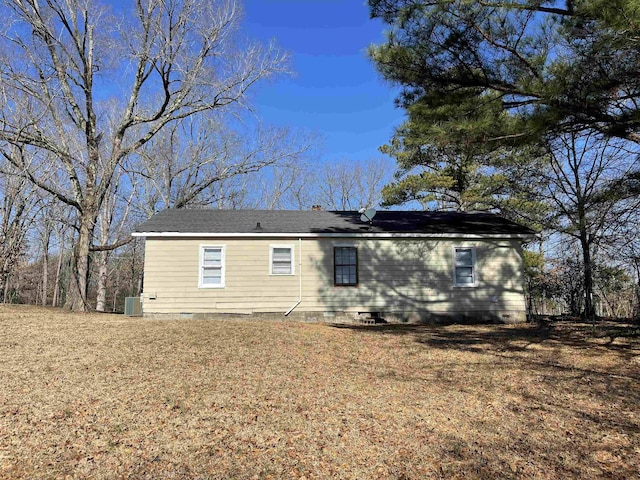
x=105, y=396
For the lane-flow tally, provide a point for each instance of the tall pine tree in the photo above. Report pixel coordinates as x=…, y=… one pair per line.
x=554, y=66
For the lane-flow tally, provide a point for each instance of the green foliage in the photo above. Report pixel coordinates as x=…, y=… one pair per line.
x=553, y=66
x=533, y=271
x=533, y=262
x=612, y=278
x=446, y=161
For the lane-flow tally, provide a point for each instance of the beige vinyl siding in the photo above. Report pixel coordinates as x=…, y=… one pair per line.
x=394, y=275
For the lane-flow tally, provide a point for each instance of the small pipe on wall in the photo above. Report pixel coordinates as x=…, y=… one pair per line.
x=299, y=278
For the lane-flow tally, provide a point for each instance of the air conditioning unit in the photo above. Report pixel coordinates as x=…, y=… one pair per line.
x=132, y=307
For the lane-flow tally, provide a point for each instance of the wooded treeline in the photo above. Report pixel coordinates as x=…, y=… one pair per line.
x=38, y=233
x=528, y=108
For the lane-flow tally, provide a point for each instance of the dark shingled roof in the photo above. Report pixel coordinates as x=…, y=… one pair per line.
x=323, y=221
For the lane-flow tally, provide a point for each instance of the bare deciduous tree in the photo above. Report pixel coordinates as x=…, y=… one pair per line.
x=113, y=228
x=205, y=163
x=45, y=229
x=347, y=185
x=286, y=186
x=583, y=178
x=18, y=205
x=60, y=60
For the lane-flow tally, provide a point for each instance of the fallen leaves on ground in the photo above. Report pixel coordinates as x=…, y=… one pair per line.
x=106, y=396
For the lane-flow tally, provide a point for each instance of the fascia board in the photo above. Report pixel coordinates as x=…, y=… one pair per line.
x=332, y=235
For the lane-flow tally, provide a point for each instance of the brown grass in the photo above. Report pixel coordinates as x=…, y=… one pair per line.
x=105, y=396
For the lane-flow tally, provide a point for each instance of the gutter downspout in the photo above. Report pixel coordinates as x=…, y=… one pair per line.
x=299, y=278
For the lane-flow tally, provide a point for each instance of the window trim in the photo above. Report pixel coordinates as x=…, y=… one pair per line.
x=357, y=265
x=291, y=247
x=474, y=272
x=222, y=266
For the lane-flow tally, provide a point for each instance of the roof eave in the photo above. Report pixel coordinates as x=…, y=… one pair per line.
x=521, y=236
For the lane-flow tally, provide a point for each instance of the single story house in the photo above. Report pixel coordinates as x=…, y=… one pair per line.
x=334, y=265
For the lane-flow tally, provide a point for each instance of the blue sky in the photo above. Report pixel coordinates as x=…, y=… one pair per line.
x=335, y=91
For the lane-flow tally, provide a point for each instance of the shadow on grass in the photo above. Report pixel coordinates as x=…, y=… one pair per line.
x=463, y=337
x=564, y=357
x=514, y=337
x=511, y=342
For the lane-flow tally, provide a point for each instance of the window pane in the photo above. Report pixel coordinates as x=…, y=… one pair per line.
x=345, y=255
x=464, y=256
x=212, y=257
x=211, y=276
x=464, y=275
x=339, y=276
x=281, y=268
x=351, y=271
x=281, y=254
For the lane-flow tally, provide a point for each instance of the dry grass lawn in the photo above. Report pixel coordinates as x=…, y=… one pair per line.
x=105, y=396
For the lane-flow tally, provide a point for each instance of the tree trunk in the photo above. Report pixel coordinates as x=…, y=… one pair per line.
x=544, y=282
x=77, y=299
x=101, y=297
x=3, y=284
x=609, y=309
x=115, y=300
x=45, y=266
x=140, y=280
x=56, y=288
x=5, y=290
x=589, y=312
x=103, y=258
x=636, y=265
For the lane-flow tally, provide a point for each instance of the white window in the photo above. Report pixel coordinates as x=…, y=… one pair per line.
x=211, y=266
x=281, y=260
x=464, y=274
